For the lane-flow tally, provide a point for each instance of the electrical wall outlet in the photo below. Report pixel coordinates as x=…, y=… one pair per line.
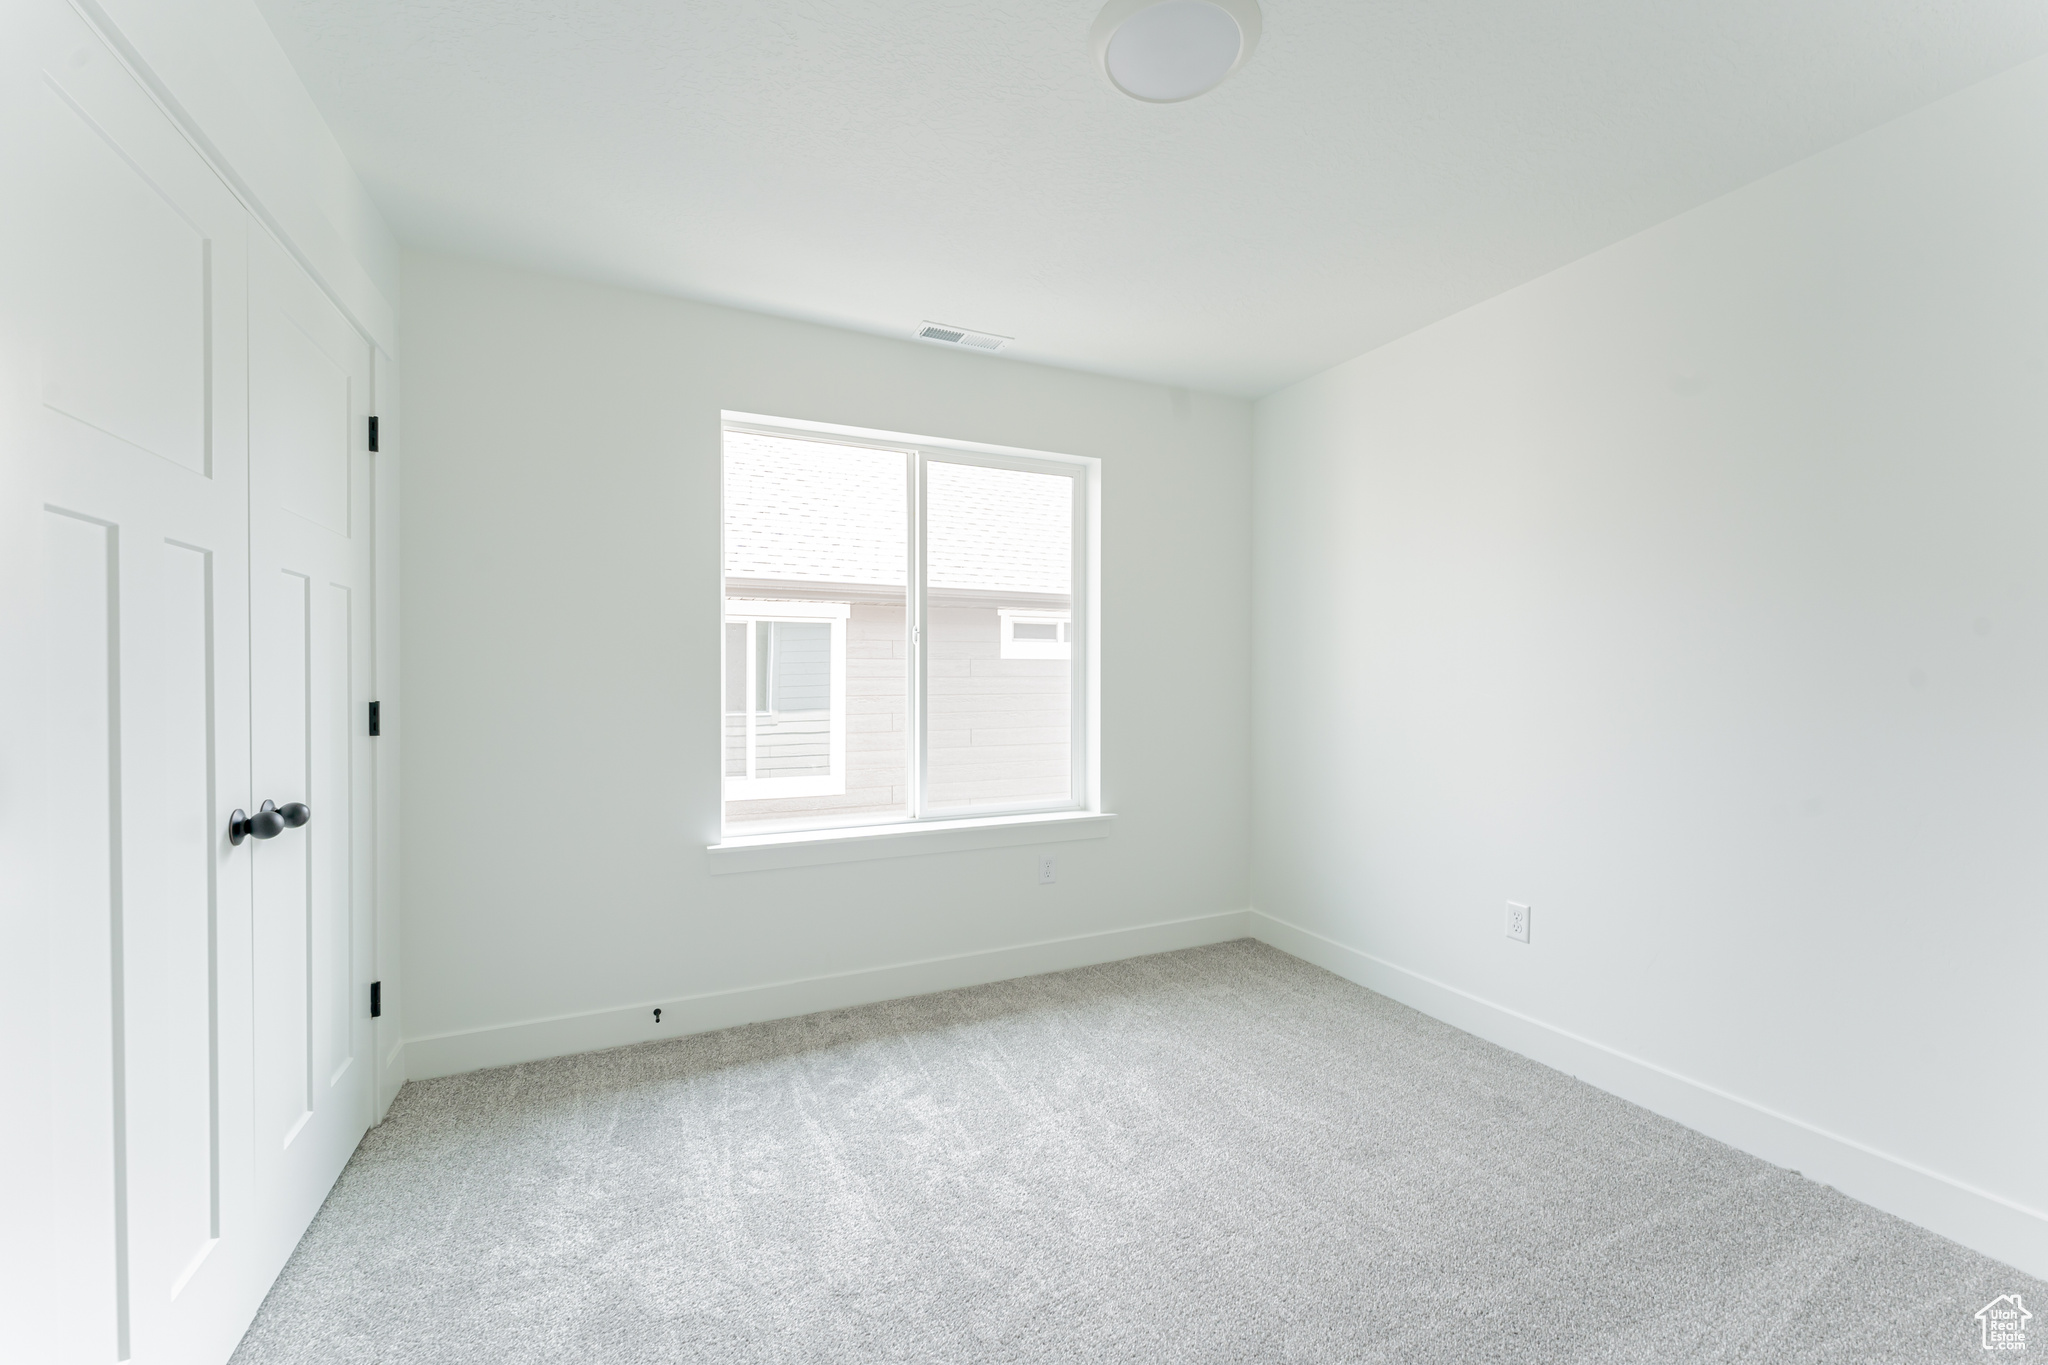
x=1045, y=876
x=1518, y=922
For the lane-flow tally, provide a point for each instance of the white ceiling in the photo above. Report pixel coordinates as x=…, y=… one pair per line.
x=1378, y=164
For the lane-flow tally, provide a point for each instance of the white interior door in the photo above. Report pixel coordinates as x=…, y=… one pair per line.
x=124, y=673
x=310, y=609
x=185, y=627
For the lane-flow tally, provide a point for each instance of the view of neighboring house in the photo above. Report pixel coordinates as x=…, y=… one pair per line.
x=816, y=667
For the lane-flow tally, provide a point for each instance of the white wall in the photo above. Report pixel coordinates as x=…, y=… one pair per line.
x=1697, y=594
x=561, y=642
x=218, y=67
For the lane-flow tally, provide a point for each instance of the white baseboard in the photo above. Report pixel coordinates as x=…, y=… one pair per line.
x=474, y=1049
x=1976, y=1218
x=390, y=1078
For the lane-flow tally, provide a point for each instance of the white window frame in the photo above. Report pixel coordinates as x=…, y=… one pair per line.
x=1083, y=808
x=751, y=612
x=1061, y=646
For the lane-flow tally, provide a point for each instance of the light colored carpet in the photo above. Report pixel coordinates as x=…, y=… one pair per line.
x=1215, y=1155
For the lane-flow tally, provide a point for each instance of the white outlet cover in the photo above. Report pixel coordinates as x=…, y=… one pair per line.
x=1518, y=922
x=1045, y=871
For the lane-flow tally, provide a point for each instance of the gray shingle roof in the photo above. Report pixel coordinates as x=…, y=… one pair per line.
x=809, y=511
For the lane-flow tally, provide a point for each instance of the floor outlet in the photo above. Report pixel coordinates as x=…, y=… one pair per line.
x=1045, y=877
x=1518, y=922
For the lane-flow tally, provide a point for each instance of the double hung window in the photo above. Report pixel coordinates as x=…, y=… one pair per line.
x=906, y=629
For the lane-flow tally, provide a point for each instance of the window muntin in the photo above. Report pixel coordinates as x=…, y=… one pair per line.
x=939, y=556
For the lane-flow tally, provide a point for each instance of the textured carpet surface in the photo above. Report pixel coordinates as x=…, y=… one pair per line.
x=1215, y=1155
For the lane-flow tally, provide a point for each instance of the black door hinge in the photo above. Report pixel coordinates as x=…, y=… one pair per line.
x=376, y=999
x=373, y=433
x=376, y=718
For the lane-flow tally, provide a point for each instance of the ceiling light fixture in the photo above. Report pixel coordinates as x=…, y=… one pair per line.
x=1165, y=51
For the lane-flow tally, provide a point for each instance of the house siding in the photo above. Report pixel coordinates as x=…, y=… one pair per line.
x=999, y=728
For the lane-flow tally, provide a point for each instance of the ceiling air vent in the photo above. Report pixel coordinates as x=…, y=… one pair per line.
x=961, y=336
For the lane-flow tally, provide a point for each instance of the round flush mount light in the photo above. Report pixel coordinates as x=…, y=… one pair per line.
x=1165, y=51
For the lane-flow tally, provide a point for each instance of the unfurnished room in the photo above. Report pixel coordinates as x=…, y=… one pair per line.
x=713, y=683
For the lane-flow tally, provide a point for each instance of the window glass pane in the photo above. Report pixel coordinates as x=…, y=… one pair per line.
x=802, y=667
x=816, y=539
x=999, y=544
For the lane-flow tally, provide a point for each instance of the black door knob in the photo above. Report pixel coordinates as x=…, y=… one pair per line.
x=264, y=824
x=269, y=822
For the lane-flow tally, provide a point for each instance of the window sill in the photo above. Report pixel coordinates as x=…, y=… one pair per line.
x=808, y=848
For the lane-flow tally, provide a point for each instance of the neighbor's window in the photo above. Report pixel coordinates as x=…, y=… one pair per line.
x=1034, y=634
x=903, y=623
x=785, y=699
